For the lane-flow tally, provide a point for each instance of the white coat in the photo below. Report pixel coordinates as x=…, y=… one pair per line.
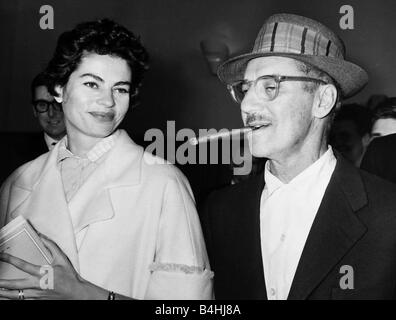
x=137, y=232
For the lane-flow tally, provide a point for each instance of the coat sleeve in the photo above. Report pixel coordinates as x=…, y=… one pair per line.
x=5, y=193
x=4, y=196
x=181, y=268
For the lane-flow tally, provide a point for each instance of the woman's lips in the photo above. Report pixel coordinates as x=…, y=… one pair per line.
x=103, y=116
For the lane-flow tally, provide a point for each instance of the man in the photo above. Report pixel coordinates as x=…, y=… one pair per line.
x=47, y=111
x=384, y=122
x=23, y=147
x=380, y=157
x=350, y=132
x=312, y=226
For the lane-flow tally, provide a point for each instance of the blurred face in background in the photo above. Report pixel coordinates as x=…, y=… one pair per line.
x=346, y=139
x=48, y=113
x=383, y=127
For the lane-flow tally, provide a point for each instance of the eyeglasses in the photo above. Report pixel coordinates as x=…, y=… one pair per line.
x=266, y=87
x=42, y=106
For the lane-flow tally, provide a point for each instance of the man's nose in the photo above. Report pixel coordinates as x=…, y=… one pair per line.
x=251, y=103
x=52, y=112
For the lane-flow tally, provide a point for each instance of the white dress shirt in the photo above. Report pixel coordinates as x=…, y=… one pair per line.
x=51, y=142
x=75, y=170
x=287, y=212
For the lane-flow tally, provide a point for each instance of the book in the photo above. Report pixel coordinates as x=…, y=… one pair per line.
x=18, y=238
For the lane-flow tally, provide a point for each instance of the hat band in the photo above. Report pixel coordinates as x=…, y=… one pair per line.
x=281, y=37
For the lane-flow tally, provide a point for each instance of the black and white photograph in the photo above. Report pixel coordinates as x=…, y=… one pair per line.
x=198, y=154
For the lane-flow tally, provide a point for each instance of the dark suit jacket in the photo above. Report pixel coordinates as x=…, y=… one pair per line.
x=18, y=148
x=380, y=157
x=355, y=225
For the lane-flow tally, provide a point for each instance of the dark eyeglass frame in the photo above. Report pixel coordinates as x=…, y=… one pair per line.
x=56, y=106
x=277, y=78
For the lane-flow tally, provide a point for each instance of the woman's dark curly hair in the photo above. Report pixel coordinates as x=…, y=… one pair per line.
x=103, y=37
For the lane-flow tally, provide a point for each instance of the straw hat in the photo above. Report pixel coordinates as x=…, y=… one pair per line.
x=304, y=39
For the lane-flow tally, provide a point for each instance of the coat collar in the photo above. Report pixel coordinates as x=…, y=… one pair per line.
x=122, y=167
x=335, y=230
x=125, y=154
x=39, y=196
x=246, y=245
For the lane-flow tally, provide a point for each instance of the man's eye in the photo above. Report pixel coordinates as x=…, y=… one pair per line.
x=270, y=87
x=266, y=85
x=92, y=85
x=42, y=104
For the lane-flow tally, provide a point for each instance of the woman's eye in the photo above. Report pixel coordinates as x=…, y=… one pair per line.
x=122, y=90
x=91, y=85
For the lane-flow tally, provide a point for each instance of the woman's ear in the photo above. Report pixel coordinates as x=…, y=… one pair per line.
x=59, y=93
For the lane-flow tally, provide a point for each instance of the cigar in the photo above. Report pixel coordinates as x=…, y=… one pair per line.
x=209, y=137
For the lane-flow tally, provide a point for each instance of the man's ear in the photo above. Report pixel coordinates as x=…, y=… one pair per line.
x=34, y=112
x=326, y=99
x=59, y=93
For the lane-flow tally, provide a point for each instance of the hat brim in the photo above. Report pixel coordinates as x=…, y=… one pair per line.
x=349, y=77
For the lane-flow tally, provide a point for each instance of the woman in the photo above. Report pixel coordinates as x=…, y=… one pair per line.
x=121, y=224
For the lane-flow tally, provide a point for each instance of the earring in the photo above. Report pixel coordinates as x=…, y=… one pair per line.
x=58, y=99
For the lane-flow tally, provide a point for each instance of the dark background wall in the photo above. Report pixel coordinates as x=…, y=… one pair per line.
x=179, y=86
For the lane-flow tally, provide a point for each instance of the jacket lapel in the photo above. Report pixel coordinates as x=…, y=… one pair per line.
x=92, y=202
x=247, y=239
x=121, y=167
x=46, y=207
x=335, y=230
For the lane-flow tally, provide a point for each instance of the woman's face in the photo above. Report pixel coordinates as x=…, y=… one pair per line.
x=96, y=97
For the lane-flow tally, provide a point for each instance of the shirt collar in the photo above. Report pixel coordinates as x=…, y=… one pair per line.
x=50, y=141
x=272, y=183
x=92, y=155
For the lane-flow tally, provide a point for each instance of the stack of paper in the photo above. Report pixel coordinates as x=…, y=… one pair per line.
x=19, y=239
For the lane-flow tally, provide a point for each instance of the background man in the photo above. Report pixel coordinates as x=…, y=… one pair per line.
x=22, y=147
x=384, y=121
x=292, y=232
x=47, y=111
x=380, y=157
x=350, y=132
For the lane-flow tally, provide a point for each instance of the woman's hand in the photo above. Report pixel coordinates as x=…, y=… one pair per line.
x=66, y=283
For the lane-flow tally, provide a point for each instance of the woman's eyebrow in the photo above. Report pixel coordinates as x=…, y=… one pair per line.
x=93, y=76
x=128, y=83
x=121, y=83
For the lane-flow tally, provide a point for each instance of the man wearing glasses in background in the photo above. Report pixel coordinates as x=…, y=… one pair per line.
x=48, y=113
x=22, y=147
x=312, y=226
